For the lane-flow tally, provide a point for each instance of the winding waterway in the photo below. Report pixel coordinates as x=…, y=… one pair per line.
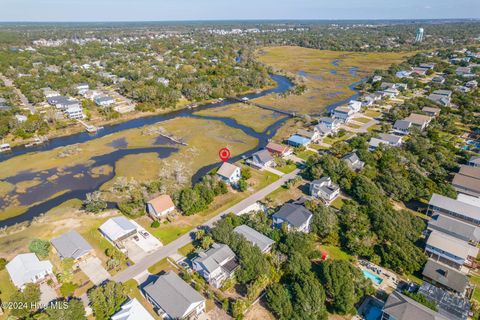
x=67, y=187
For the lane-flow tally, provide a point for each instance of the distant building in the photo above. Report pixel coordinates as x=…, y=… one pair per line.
x=27, y=268
x=386, y=139
x=353, y=161
x=296, y=217
x=438, y=79
x=173, y=298
x=461, y=71
x=132, y=310
x=229, y=173
x=313, y=136
x=160, y=206
x=263, y=242
x=402, y=127
x=431, y=112
x=216, y=264
x=324, y=189
x=74, y=112
x=104, y=101
x=474, y=161
x=419, y=121
x=419, y=35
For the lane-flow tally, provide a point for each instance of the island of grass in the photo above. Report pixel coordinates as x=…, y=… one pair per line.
x=250, y=116
x=326, y=74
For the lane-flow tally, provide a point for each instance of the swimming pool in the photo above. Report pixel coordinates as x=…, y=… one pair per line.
x=372, y=277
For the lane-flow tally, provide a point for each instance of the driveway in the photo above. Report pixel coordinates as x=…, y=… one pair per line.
x=134, y=251
x=94, y=270
x=47, y=294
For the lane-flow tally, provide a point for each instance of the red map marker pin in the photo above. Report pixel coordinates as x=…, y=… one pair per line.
x=224, y=154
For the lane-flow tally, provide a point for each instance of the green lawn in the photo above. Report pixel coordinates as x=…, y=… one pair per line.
x=336, y=253
x=305, y=154
x=362, y=120
x=373, y=114
x=186, y=250
x=162, y=265
x=337, y=203
x=287, y=168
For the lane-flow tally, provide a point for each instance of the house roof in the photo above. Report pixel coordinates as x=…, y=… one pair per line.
x=328, y=120
x=132, y=310
x=455, y=206
x=437, y=98
x=306, y=134
x=402, y=124
x=445, y=275
x=296, y=215
x=451, y=245
x=450, y=305
x=469, y=171
x=71, y=245
x=25, y=266
x=276, y=147
x=475, y=159
x=443, y=92
x=343, y=109
x=323, y=128
x=455, y=228
x=351, y=158
x=215, y=257
x=173, y=294
x=227, y=170
x=162, y=203
x=466, y=182
x=403, y=308
x=117, y=227
x=431, y=110
x=391, y=138
x=298, y=140
x=325, y=184
x=262, y=156
x=418, y=118
x=255, y=237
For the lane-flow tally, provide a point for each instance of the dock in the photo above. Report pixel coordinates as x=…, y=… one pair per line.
x=89, y=128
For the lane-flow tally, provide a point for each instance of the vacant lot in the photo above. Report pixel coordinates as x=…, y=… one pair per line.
x=326, y=74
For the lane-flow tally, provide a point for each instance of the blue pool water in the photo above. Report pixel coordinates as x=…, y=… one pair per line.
x=372, y=277
x=373, y=313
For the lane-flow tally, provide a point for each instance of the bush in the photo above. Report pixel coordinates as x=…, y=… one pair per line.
x=39, y=247
x=3, y=263
x=155, y=224
x=67, y=289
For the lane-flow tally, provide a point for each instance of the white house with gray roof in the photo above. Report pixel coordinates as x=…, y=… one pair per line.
x=444, y=276
x=229, y=173
x=324, y=189
x=27, y=268
x=450, y=250
x=132, y=310
x=296, y=217
x=466, y=212
x=474, y=161
x=71, y=245
x=117, y=229
x=353, y=161
x=261, y=159
x=455, y=228
x=173, y=298
x=216, y=264
x=263, y=242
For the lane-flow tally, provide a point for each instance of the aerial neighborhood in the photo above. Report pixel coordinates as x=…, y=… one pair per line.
x=241, y=172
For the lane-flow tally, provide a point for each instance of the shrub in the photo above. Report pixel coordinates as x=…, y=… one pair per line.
x=155, y=224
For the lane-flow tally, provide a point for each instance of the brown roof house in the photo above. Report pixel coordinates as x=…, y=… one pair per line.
x=160, y=206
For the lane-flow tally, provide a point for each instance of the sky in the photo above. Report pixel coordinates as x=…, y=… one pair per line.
x=168, y=10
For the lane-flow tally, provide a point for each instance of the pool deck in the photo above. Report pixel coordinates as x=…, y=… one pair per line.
x=389, y=279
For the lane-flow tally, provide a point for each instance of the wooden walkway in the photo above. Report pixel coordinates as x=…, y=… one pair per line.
x=262, y=106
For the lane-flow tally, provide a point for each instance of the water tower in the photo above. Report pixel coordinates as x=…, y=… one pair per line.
x=419, y=36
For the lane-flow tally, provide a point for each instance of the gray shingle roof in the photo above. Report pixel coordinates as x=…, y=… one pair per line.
x=294, y=214
x=455, y=206
x=215, y=257
x=71, y=245
x=445, y=275
x=173, y=294
x=403, y=308
x=455, y=228
x=262, y=156
x=255, y=237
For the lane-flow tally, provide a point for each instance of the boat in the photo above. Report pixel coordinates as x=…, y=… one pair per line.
x=4, y=147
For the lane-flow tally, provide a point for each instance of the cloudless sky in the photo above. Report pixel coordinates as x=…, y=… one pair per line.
x=157, y=10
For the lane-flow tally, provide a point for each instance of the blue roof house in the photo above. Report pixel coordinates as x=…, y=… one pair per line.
x=298, y=141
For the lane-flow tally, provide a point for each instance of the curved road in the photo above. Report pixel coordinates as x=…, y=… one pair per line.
x=171, y=248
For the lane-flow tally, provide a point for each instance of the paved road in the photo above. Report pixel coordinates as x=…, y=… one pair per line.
x=173, y=246
x=21, y=96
